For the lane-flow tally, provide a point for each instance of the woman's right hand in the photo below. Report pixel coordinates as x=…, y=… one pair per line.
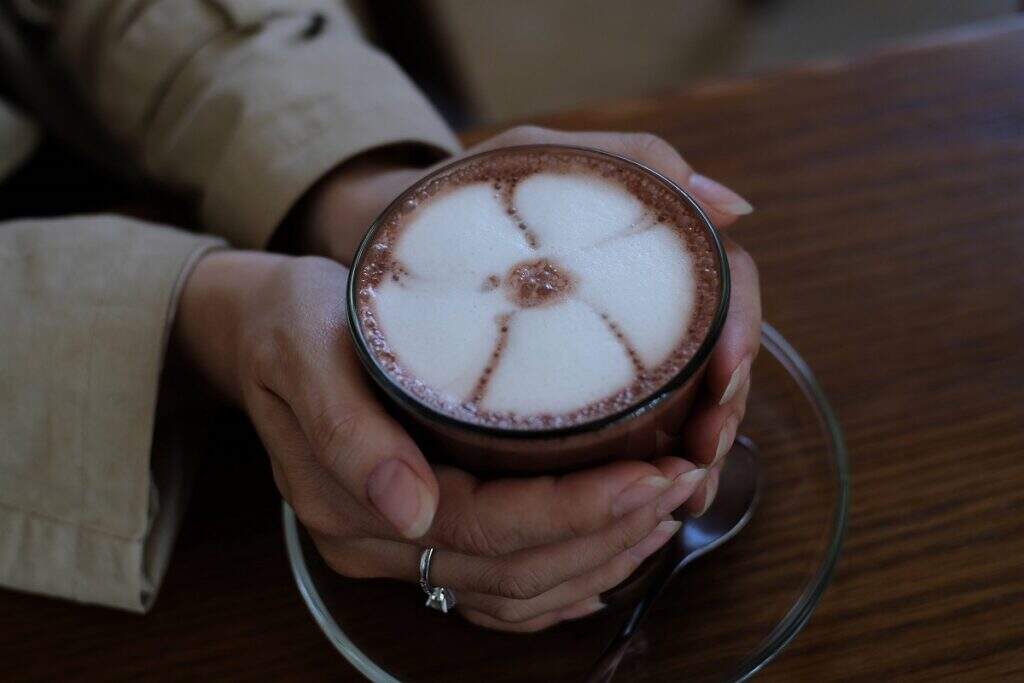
x=521, y=554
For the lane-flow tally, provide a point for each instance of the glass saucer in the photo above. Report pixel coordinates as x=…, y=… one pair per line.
x=723, y=619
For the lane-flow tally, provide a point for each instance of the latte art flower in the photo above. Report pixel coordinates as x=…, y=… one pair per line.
x=535, y=297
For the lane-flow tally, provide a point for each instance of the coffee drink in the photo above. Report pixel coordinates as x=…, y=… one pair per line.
x=535, y=294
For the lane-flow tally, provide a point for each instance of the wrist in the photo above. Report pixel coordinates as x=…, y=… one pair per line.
x=213, y=313
x=336, y=212
x=344, y=211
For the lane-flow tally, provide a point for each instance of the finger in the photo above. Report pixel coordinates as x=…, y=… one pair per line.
x=590, y=584
x=737, y=346
x=529, y=574
x=499, y=517
x=523, y=575
x=317, y=499
x=722, y=204
x=364, y=449
x=370, y=558
x=706, y=495
x=580, y=610
x=375, y=558
x=695, y=503
x=711, y=429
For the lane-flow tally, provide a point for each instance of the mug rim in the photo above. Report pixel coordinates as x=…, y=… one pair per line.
x=432, y=415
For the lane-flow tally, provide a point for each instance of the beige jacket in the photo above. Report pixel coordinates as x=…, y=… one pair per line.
x=241, y=105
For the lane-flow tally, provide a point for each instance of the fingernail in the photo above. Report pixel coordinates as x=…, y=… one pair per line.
x=639, y=494
x=739, y=375
x=655, y=540
x=726, y=437
x=710, y=489
x=682, y=488
x=718, y=195
x=583, y=609
x=401, y=497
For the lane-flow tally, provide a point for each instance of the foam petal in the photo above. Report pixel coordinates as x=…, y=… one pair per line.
x=442, y=337
x=557, y=359
x=569, y=212
x=643, y=282
x=471, y=217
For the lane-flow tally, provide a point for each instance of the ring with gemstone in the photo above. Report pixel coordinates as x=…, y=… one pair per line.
x=439, y=598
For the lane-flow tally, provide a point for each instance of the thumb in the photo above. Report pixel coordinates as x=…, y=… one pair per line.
x=378, y=463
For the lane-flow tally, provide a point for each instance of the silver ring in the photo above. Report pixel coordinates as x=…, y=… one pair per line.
x=439, y=598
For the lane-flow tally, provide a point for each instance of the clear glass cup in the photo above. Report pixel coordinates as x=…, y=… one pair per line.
x=642, y=431
x=723, y=619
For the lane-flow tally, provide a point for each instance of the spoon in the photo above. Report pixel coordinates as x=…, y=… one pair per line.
x=739, y=489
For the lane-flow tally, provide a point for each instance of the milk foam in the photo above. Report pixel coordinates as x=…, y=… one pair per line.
x=612, y=293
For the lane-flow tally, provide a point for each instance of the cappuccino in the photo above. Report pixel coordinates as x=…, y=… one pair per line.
x=535, y=289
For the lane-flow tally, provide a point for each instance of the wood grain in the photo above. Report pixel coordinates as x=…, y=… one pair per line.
x=890, y=236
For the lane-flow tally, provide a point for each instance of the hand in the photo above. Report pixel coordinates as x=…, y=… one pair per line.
x=522, y=554
x=344, y=206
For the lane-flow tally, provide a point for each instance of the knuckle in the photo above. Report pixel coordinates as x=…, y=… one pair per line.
x=334, y=431
x=468, y=535
x=466, y=521
x=481, y=541
x=507, y=585
x=508, y=581
x=516, y=588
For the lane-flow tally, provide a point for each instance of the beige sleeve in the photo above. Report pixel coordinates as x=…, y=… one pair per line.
x=243, y=104
x=86, y=306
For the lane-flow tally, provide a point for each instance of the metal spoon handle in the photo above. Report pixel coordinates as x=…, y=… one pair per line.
x=604, y=669
x=738, y=494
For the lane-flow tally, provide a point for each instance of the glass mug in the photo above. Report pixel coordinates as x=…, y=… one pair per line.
x=642, y=431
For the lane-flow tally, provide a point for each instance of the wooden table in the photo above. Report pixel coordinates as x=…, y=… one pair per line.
x=890, y=235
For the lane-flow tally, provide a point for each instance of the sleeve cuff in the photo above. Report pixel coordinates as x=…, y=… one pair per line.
x=92, y=483
x=279, y=156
